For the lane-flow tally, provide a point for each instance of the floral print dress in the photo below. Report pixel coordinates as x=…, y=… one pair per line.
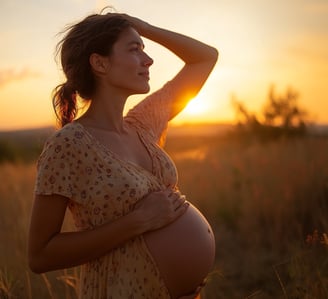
x=101, y=188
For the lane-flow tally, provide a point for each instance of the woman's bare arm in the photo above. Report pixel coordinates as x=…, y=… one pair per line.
x=50, y=249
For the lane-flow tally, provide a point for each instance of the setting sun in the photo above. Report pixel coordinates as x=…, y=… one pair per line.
x=196, y=106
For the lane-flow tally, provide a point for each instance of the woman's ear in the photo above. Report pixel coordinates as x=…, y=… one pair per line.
x=99, y=63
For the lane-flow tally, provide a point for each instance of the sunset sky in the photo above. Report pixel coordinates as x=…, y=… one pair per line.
x=261, y=42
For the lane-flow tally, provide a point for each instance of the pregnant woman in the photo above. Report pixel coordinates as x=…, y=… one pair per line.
x=136, y=235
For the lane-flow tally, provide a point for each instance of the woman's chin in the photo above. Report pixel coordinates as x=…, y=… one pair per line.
x=145, y=89
x=139, y=90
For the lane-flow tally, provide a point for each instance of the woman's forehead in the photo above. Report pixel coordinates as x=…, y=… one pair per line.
x=130, y=36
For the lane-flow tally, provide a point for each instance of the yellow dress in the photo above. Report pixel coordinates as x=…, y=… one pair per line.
x=102, y=187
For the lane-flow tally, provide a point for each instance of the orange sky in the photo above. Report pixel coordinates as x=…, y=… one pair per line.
x=278, y=42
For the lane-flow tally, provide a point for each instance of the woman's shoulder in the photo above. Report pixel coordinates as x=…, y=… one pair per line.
x=71, y=136
x=71, y=131
x=153, y=113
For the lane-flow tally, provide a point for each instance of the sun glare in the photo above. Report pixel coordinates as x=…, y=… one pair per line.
x=196, y=106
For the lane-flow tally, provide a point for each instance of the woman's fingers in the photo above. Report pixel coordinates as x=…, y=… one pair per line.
x=162, y=207
x=175, y=195
x=177, y=198
x=179, y=202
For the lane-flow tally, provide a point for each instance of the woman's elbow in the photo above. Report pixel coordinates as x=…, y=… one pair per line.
x=214, y=54
x=38, y=264
x=37, y=270
x=35, y=265
x=212, y=57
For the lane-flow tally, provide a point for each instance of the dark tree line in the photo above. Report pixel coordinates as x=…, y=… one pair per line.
x=281, y=116
x=22, y=146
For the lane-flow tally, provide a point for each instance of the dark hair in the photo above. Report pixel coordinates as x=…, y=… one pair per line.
x=94, y=34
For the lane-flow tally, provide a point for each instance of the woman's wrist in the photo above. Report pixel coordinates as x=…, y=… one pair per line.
x=138, y=220
x=140, y=25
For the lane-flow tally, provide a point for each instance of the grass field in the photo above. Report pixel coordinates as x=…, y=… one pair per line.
x=267, y=203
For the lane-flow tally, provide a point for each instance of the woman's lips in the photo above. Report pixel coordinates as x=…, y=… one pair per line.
x=145, y=74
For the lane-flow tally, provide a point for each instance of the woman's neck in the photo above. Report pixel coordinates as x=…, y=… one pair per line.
x=105, y=112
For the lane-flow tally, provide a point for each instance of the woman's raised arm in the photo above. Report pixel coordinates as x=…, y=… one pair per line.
x=199, y=60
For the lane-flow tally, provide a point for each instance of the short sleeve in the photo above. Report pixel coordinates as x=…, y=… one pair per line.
x=58, y=166
x=153, y=113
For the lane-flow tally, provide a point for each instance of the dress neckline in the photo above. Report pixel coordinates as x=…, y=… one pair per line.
x=117, y=157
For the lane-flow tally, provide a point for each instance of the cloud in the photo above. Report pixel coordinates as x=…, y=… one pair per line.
x=12, y=75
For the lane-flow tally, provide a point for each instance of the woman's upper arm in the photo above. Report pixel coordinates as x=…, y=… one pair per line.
x=47, y=217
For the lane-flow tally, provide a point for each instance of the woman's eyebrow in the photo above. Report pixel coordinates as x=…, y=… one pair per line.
x=138, y=43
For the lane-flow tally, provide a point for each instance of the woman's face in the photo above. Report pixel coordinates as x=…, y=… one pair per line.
x=129, y=64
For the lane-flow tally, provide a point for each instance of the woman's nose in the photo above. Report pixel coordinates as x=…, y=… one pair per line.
x=148, y=61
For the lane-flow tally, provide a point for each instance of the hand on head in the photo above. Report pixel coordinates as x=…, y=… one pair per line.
x=136, y=23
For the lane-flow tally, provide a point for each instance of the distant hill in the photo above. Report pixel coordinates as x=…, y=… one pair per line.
x=40, y=134
x=23, y=145
x=199, y=129
x=23, y=135
x=26, y=145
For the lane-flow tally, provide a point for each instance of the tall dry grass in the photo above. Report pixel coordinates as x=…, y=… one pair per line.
x=16, y=281
x=267, y=203
x=263, y=200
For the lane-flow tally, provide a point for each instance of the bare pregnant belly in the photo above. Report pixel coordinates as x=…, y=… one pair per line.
x=184, y=251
